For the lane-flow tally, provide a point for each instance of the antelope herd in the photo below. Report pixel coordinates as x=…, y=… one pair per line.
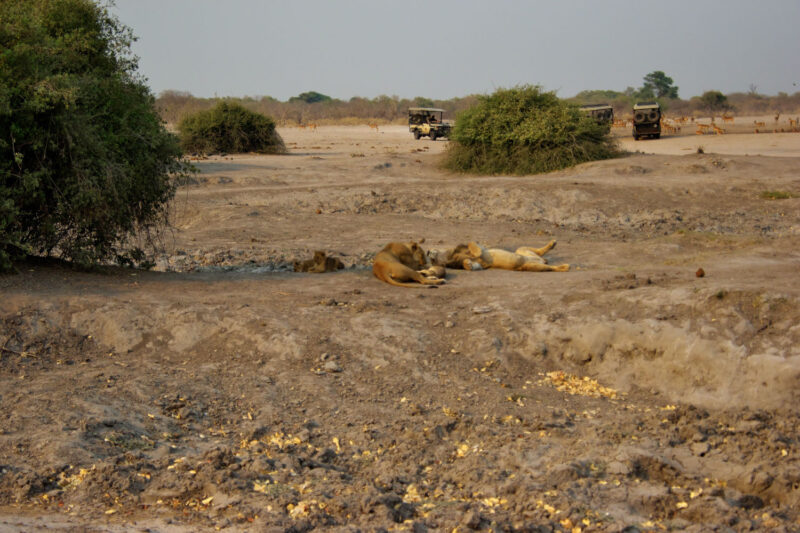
x=673, y=125
x=313, y=127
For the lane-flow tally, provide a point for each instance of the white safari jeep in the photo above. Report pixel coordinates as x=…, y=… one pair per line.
x=428, y=122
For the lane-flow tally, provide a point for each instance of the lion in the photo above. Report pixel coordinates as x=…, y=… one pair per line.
x=405, y=264
x=321, y=262
x=473, y=256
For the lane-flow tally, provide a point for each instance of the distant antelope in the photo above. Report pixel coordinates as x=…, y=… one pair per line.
x=777, y=116
x=670, y=129
x=760, y=124
x=702, y=129
x=727, y=118
x=373, y=126
x=312, y=127
x=718, y=130
x=792, y=123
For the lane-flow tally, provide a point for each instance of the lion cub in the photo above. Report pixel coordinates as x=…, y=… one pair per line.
x=404, y=264
x=320, y=263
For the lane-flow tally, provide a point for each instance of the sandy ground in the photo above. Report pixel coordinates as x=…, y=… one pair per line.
x=225, y=392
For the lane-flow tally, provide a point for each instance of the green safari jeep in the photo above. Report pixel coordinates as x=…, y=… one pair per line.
x=646, y=120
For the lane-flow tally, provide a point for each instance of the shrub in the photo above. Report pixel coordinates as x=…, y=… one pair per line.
x=85, y=161
x=229, y=128
x=524, y=130
x=776, y=195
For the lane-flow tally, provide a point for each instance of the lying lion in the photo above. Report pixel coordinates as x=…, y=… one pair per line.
x=321, y=262
x=473, y=256
x=403, y=263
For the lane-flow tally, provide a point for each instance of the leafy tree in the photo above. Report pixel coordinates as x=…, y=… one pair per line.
x=658, y=85
x=229, y=127
x=85, y=161
x=714, y=101
x=311, y=97
x=524, y=130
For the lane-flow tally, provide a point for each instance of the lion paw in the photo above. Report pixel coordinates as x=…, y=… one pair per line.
x=472, y=265
x=475, y=249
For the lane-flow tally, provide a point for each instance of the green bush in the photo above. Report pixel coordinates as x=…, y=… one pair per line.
x=524, y=130
x=86, y=164
x=229, y=128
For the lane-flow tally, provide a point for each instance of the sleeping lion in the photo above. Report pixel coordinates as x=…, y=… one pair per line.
x=405, y=264
x=473, y=256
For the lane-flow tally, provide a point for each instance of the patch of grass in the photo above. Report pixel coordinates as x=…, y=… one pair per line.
x=776, y=195
x=272, y=488
x=128, y=441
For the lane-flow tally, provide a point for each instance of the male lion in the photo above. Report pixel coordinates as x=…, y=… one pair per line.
x=473, y=256
x=400, y=263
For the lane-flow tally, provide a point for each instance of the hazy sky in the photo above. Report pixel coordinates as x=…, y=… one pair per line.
x=447, y=48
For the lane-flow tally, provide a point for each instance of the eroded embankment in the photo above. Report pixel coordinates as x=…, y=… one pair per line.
x=287, y=408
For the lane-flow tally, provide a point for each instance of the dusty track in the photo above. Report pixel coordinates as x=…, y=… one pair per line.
x=226, y=392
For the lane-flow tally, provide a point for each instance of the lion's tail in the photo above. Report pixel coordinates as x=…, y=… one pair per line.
x=410, y=285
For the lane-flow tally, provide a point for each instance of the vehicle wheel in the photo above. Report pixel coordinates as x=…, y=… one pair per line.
x=635, y=137
x=416, y=135
x=653, y=116
x=638, y=117
x=433, y=135
x=657, y=136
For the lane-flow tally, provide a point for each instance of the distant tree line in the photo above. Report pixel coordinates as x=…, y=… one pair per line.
x=660, y=87
x=311, y=107
x=314, y=107
x=748, y=103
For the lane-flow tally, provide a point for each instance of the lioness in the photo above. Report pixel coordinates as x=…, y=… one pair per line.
x=400, y=263
x=473, y=256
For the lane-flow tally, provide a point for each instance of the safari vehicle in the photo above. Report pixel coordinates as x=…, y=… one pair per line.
x=427, y=121
x=602, y=113
x=646, y=120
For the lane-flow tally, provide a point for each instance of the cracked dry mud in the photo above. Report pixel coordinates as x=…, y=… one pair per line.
x=225, y=392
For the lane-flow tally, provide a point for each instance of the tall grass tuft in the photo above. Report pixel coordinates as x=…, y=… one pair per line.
x=524, y=130
x=229, y=128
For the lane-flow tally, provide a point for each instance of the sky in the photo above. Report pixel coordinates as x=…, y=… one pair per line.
x=443, y=49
